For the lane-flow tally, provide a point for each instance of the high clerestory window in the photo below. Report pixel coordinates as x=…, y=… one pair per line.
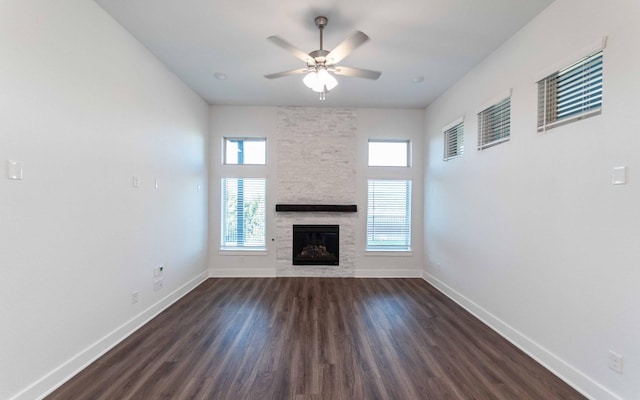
x=494, y=124
x=573, y=93
x=453, y=140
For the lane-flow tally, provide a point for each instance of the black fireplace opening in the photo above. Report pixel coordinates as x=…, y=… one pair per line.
x=316, y=244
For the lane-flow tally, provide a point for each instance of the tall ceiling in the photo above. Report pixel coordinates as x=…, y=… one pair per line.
x=439, y=40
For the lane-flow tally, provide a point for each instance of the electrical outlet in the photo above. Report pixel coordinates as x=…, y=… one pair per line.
x=157, y=285
x=134, y=297
x=14, y=169
x=615, y=362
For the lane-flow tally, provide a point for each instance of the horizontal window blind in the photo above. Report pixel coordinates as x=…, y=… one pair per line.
x=494, y=124
x=454, y=141
x=570, y=94
x=389, y=215
x=243, y=213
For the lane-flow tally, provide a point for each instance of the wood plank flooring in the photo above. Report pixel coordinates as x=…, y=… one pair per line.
x=312, y=339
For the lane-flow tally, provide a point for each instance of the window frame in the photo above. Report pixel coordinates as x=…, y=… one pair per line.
x=548, y=93
x=224, y=244
x=406, y=228
x=456, y=127
x=485, y=117
x=227, y=139
x=408, y=155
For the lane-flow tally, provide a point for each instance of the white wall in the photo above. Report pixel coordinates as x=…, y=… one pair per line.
x=244, y=122
x=85, y=107
x=531, y=235
x=391, y=124
x=263, y=121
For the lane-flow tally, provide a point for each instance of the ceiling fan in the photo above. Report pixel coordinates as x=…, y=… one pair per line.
x=321, y=64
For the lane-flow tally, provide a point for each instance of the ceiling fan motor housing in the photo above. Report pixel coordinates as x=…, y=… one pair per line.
x=321, y=21
x=319, y=56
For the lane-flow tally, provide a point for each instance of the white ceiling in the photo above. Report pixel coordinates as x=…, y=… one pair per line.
x=439, y=40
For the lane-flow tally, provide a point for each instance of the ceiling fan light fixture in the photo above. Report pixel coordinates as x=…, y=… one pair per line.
x=321, y=64
x=320, y=80
x=311, y=79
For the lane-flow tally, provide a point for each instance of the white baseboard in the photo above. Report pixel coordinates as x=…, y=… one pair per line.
x=70, y=368
x=572, y=376
x=388, y=273
x=271, y=273
x=242, y=273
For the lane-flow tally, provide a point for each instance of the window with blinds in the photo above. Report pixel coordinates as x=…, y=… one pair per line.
x=454, y=141
x=243, y=213
x=570, y=94
x=389, y=215
x=494, y=124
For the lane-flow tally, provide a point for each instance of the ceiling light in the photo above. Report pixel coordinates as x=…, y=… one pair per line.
x=418, y=79
x=320, y=81
x=221, y=76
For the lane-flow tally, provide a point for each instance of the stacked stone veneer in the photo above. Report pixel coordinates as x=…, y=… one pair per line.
x=316, y=160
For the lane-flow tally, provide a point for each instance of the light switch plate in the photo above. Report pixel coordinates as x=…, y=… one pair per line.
x=619, y=175
x=14, y=170
x=135, y=181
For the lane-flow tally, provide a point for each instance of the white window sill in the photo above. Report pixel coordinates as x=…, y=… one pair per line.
x=242, y=252
x=388, y=253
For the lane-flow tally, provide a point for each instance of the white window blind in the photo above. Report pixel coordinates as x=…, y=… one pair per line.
x=389, y=215
x=572, y=93
x=454, y=141
x=243, y=213
x=494, y=124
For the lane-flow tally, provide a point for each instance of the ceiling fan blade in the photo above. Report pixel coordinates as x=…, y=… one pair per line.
x=356, y=72
x=278, y=41
x=346, y=47
x=298, y=71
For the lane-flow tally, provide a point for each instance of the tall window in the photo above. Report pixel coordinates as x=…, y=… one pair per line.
x=389, y=215
x=454, y=141
x=243, y=216
x=245, y=151
x=570, y=94
x=243, y=213
x=388, y=153
x=494, y=124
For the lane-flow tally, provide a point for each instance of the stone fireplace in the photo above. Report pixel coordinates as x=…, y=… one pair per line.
x=316, y=185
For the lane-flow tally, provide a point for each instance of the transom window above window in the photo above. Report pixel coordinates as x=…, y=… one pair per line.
x=245, y=151
x=570, y=94
x=388, y=153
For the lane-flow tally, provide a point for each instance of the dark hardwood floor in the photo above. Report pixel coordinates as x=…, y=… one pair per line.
x=315, y=338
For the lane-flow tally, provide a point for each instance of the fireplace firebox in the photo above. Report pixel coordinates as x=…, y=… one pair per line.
x=316, y=244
